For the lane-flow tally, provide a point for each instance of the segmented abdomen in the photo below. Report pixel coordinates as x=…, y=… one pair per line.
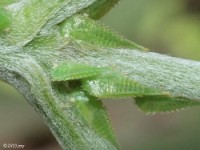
x=88, y=31
x=116, y=86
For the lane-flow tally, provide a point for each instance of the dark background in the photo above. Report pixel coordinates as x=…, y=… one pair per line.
x=170, y=27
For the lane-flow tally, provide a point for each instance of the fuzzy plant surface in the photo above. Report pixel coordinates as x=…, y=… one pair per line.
x=64, y=62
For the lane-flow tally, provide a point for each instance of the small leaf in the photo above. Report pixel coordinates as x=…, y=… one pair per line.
x=153, y=104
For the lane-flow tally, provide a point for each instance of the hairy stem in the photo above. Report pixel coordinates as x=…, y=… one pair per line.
x=179, y=77
x=28, y=71
x=27, y=76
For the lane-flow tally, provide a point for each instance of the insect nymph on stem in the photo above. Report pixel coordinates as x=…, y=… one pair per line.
x=88, y=32
x=101, y=82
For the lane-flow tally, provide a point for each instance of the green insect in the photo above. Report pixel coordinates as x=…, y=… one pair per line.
x=90, y=33
x=90, y=110
x=101, y=82
x=106, y=83
x=4, y=19
x=113, y=85
x=72, y=71
x=153, y=104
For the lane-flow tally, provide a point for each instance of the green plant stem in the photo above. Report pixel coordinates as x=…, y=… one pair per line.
x=28, y=71
x=179, y=77
x=27, y=76
x=37, y=46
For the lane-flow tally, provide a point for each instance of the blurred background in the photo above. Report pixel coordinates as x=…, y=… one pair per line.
x=170, y=27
